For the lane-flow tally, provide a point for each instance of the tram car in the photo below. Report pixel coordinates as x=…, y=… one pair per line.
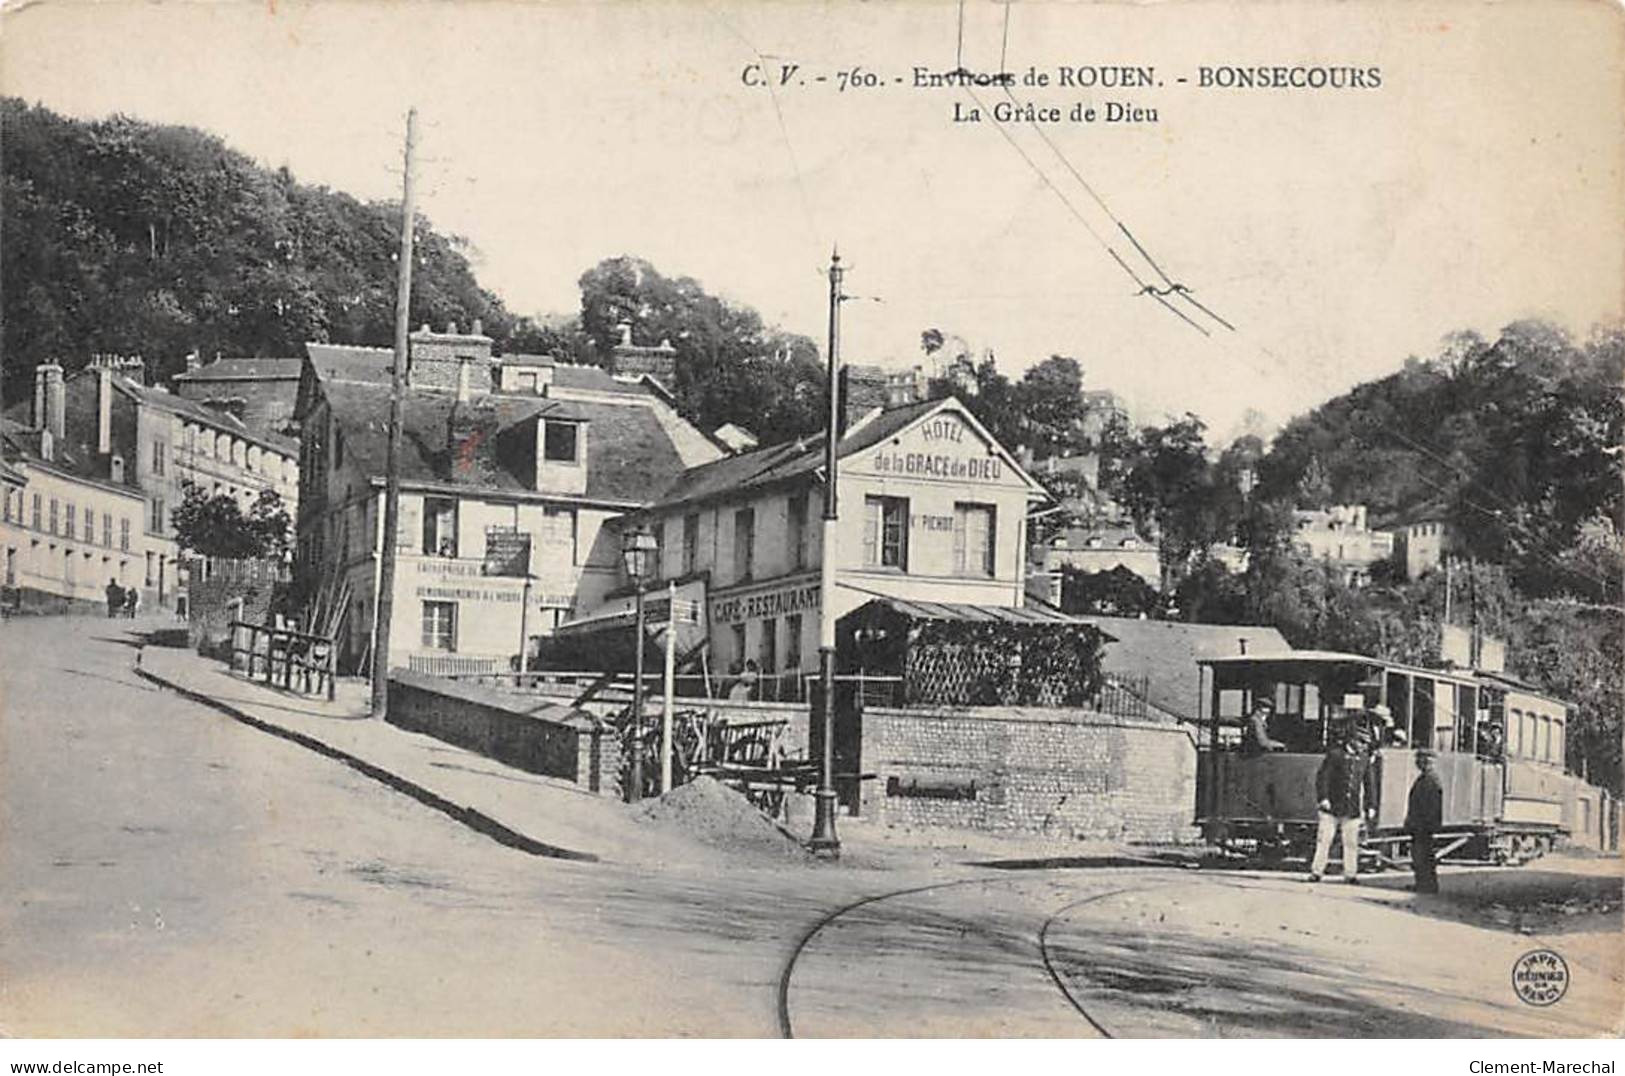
x=1499, y=748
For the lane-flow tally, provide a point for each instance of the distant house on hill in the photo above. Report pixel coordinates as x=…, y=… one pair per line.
x=1165, y=653
x=1340, y=537
x=1091, y=549
x=1421, y=540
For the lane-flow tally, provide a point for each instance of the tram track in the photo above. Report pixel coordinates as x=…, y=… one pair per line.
x=786, y=1023
x=1048, y=957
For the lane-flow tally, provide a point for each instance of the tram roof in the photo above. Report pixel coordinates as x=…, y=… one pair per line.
x=1328, y=657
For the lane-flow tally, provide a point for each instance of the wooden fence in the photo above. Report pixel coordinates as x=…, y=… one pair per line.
x=282, y=657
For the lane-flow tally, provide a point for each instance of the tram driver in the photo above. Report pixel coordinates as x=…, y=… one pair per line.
x=1256, y=739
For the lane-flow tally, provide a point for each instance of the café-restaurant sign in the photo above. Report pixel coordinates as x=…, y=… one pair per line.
x=736, y=608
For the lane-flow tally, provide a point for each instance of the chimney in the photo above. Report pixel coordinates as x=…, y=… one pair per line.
x=194, y=361
x=463, y=363
x=479, y=328
x=627, y=360
x=104, y=410
x=50, y=399
x=861, y=389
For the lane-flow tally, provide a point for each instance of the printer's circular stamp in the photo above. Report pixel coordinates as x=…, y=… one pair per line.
x=1540, y=977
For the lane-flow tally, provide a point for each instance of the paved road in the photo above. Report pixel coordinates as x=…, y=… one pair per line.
x=168, y=871
x=165, y=870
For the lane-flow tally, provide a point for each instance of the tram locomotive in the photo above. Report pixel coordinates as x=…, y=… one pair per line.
x=1499, y=747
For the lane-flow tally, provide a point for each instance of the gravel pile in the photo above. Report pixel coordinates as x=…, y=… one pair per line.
x=713, y=814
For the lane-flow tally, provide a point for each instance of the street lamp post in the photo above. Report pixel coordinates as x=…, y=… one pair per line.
x=637, y=548
x=824, y=841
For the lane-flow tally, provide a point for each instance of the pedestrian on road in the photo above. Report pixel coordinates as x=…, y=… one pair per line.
x=132, y=602
x=115, y=599
x=1345, y=790
x=1422, y=820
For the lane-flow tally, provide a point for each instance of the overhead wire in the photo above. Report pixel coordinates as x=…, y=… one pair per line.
x=1174, y=288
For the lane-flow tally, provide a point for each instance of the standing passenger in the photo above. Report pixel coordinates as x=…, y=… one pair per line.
x=1422, y=821
x=1345, y=786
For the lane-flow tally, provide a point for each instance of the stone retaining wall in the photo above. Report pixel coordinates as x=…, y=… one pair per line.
x=531, y=735
x=1066, y=773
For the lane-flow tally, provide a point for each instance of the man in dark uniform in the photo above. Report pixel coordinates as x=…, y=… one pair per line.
x=1422, y=821
x=1345, y=790
x=115, y=598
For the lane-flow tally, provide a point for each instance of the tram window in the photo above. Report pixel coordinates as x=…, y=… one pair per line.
x=1466, y=712
x=1546, y=737
x=1422, y=730
x=1558, y=755
x=1399, y=701
x=1531, y=735
x=1514, y=733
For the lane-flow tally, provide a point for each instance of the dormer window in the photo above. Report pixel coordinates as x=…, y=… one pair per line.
x=561, y=442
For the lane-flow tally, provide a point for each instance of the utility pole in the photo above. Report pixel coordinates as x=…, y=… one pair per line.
x=392, y=475
x=1448, y=581
x=1474, y=646
x=824, y=841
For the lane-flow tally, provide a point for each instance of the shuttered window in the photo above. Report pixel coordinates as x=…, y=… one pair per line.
x=973, y=540
x=885, y=532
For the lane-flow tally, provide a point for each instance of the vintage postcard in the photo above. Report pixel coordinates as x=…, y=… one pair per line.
x=958, y=519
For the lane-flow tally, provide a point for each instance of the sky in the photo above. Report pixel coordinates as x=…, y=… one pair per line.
x=1338, y=230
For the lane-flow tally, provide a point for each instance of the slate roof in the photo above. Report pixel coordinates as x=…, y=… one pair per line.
x=778, y=463
x=168, y=401
x=344, y=362
x=22, y=442
x=520, y=358
x=19, y=413
x=1166, y=652
x=257, y=369
x=629, y=456
x=372, y=365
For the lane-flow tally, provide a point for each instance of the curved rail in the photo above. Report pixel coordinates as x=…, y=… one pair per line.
x=786, y=1027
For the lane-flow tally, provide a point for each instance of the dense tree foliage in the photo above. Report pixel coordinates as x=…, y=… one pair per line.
x=1114, y=592
x=128, y=237
x=1515, y=440
x=730, y=366
x=217, y=526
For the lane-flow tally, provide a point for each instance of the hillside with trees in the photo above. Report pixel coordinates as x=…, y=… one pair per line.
x=137, y=239
x=1515, y=443
x=134, y=238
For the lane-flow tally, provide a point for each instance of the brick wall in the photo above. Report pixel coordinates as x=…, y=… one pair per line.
x=210, y=608
x=1066, y=773
x=554, y=741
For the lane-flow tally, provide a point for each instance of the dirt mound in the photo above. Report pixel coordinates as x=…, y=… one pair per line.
x=714, y=814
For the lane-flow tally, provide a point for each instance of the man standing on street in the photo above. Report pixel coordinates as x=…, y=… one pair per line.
x=1346, y=789
x=1422, y=821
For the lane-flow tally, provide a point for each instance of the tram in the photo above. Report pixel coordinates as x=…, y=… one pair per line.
x=1499, y=746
